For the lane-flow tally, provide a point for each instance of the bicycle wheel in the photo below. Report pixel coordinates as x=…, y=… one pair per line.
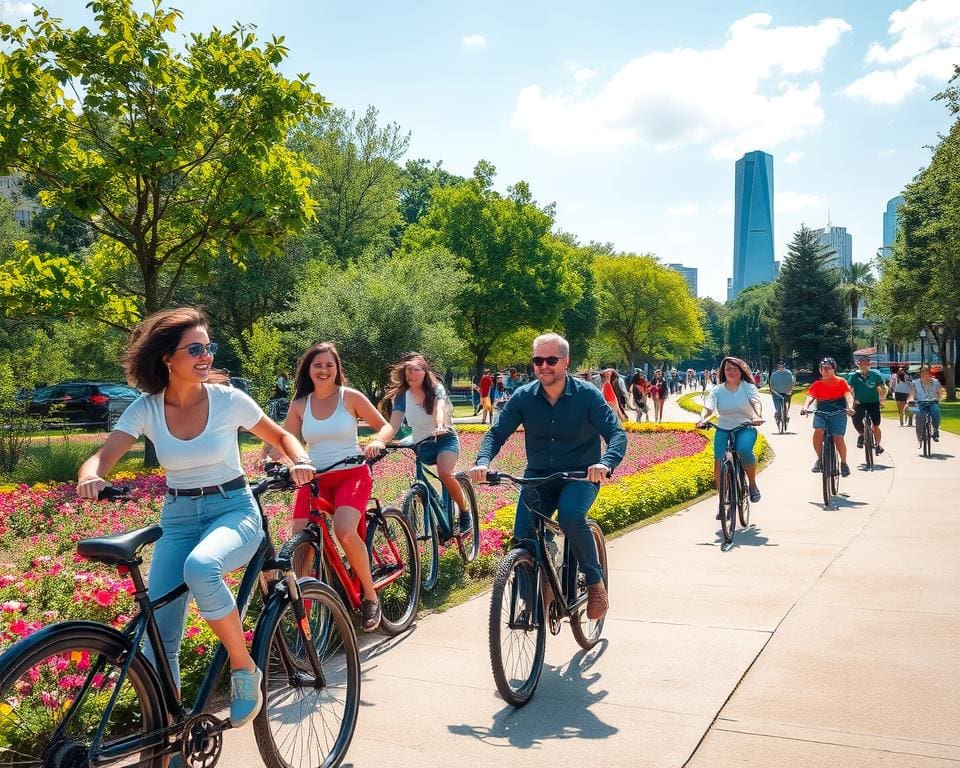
x=395, y=567
x=927, y=435
x=54, y=688
x=868, y=442
x=426, y=531
x=516, y=628
x=468, y=543
x=305, y=552
x=306, y=722
x=587, y=631
x=743, y=497
x=826, y=466
x=835, y=470
x=728, y=501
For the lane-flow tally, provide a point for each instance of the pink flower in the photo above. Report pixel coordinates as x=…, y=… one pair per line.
x=13, y=606
x=192, y=631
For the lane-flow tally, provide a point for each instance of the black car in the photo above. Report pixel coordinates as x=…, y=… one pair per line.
x=93, y=404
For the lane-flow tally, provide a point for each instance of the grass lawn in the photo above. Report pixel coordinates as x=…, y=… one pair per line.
x=949, y=411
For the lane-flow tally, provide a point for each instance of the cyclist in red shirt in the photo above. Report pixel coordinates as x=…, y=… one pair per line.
x=834, y=396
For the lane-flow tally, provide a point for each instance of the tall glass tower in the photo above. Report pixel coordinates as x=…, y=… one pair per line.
x=753, y=222
x=890, y=224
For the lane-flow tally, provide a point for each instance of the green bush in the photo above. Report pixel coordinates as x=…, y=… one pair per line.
x=54, y=461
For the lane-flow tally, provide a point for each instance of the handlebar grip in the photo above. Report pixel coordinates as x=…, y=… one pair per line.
x=493, y=478
x=114, y=493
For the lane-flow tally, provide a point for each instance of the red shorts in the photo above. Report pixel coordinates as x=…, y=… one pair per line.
x=340, y=488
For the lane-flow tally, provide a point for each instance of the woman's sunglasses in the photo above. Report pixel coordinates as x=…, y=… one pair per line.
x=549, y=360
x=196, y=349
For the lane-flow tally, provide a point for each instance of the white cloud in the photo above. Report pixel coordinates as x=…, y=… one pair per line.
x=473, y=41
x=687, y=209
x=583, y=74
x=793, y=156
x=742, y=96
x=15, y=11
x=926, y=45
x=794, y=202
x=887, y=152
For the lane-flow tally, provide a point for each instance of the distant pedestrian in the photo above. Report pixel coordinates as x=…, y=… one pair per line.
x=486, y=397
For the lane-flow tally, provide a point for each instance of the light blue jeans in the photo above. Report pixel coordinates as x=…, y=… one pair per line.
x=204, y=538
x=743, y=444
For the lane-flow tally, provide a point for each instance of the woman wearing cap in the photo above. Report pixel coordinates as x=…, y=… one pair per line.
x=735, y=400
x=834, y=396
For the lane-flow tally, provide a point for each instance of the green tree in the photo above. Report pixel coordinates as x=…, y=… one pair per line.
x=645, y=309
x=172, y=155
x=357, y=180
x=377, y=309
x=517, y=273
x=748, y=325
x=264, y=358
x=417, y=182
x=808, y=312
x=713, y=320
x=856, y=283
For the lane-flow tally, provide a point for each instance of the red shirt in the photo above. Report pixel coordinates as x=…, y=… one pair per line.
x=486, y=384
x=825, y=391
x=608, y=394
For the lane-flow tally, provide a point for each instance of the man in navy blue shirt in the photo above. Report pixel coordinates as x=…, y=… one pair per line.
x=563, y=420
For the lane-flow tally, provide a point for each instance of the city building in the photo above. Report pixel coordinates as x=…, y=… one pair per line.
x=753, y=222
x=840, y=242
x=890, y=224
x=689, y=274
x=27, y=207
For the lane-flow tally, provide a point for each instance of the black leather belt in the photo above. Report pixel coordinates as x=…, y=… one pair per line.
x=209, y=490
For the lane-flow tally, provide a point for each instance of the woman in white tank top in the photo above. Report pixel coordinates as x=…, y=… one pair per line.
x=325, y=412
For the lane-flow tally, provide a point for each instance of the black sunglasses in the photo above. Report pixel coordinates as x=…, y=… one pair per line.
x=549, y=360
x=196, y=349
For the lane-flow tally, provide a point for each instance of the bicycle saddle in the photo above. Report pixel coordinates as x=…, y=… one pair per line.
x=122, y=548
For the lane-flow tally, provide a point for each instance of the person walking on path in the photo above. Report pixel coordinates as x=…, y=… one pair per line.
x=735, y=400
x=641, y=388
x=834, y=396
x=782, y=383
x=901, y=393
x=658, y=393
x=868, y=394
x=610, y=393
x=486, y=397
x=211, y=523
x=563, y=420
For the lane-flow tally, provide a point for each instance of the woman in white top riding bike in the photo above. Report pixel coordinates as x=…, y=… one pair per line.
x=325, y=412
x=211, y=524
x=927, y=387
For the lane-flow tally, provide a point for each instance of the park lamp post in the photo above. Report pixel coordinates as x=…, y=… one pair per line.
x=923, y=338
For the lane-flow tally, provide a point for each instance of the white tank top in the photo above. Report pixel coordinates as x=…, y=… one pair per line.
x=331, y=439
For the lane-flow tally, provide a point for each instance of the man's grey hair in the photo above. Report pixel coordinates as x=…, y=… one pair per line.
x=548, y=338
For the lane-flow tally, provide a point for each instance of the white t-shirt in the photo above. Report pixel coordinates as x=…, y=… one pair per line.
x=733, y=408
x=421, y=422
x=213, y=456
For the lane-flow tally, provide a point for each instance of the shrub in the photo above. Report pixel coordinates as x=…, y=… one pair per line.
x=54, y=461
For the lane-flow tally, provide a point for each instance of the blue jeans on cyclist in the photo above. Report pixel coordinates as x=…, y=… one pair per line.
x=744, y=440
x=779, y=402
x=921, y=417
x=571, y=499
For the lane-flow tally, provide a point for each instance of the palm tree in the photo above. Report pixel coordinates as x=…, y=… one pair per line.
x=856, y=282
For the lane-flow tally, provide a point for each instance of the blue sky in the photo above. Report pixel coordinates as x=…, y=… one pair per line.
x=630, y=115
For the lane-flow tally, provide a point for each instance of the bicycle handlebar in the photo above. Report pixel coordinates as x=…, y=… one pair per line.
x=397, y=445
x=712, y=425
x=494, y=478
x=114, y=493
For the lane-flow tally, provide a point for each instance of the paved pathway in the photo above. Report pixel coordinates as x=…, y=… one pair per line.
x=822, y=638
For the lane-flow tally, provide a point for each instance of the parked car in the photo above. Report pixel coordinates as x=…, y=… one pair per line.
x=93, y=404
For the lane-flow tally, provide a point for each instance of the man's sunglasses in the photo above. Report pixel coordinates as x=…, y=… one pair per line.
x=549, y=360
x=196, y=349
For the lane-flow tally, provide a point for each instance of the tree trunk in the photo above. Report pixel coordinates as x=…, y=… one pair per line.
x=149, y=453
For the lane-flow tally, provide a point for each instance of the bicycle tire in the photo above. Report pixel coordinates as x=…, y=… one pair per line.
x=514, y=591
x=868, y=447
x=826, y=470
x=289, y=691
x=587, y=631
x=427, y=534
x=389, y=537
x=728, y=502
x=469, y=543
x=50, y=666
x=317, y=568
x=927, y=438
x=743, y=497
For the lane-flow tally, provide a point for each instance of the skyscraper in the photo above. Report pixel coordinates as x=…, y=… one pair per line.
x=689, y=274
x=753, y=222
x=890, y=224
x=838, y=240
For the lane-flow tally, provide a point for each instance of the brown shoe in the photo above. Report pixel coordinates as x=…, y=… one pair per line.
x=597, y=602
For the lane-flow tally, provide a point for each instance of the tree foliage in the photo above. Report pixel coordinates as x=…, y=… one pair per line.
x=713, y=320
x=645, y=309
x=174, y=156
x=748, y=325
x=808, y=314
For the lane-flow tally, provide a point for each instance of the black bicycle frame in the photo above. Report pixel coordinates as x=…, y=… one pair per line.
x=440, y=503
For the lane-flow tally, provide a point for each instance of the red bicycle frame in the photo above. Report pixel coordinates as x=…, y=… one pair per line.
x=383, y=575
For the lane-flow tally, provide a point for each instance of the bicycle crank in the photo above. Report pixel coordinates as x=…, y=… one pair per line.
x=202, y=741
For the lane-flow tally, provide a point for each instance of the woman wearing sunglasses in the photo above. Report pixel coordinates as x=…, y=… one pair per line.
x=210, y=520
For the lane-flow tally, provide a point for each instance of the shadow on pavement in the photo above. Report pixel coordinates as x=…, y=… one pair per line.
x=373, y=645
x=751, y=537
x=559, y=709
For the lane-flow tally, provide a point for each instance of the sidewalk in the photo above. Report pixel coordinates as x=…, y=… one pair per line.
x=822, y=638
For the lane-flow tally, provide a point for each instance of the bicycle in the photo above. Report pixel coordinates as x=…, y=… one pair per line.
x=925, y=425
x=391, y=547
x=79, y=693
x=516, y=623
x=869, y=441
x=431, y=515
x=734, y=490
x=781, y=415
x=829, y=458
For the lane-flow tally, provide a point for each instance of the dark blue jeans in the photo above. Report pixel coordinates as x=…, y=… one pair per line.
x=571, y=500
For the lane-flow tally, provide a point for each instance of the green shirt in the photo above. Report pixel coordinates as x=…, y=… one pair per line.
x=865, y=387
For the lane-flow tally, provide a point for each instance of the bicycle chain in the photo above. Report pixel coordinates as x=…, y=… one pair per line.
x=202, y=741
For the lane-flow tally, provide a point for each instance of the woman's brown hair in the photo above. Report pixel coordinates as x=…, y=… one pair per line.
x=745, y=372
x=302, y=383
x=157, y=336
x=397, y=385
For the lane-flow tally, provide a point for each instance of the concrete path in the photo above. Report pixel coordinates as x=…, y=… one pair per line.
x=822, y=638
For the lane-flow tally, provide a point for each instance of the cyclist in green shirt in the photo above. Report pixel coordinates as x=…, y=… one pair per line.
x=869, y=390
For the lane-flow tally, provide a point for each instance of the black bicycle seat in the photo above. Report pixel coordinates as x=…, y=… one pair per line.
x=122, y=548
